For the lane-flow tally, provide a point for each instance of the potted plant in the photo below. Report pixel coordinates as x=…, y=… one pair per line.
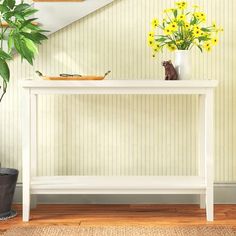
x=180, y=30
x=8, y=179
x=19, y=33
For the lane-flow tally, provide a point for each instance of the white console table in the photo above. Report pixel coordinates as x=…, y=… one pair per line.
x=201, y=184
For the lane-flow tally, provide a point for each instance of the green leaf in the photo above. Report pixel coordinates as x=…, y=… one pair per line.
x=204, y=38
x=31, y=46
x=205, y=30
x=3, y=8
x=19, y=16
x=199, y=48
x=29, y=12
x=27, y=53
x=43, y=31
x=9, y=3
x=22, y=7
x=161, y=39
x=4, y=70
x=193, y=21
x=35, y=37
x=27, y=22
x=8, y=15
x=32, y=27
x=4, y=55
x=31, y=36
x=22, y=49
x=40, y=36
x=175, y=12
x=17, y=41
x=10, y=23
x=10, y=43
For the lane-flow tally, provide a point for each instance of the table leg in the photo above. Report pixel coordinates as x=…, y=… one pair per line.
x=26, y=153
x=202, y=201
x=34, y=143
x=201, y=159
x=209, y=164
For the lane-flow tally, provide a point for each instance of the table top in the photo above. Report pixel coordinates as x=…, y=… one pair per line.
x=40, y=83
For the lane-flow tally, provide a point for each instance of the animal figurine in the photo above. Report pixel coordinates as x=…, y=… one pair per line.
x=170, y=72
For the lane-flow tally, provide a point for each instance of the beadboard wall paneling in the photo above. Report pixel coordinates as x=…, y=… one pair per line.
x=117, y=135
x=124, y=135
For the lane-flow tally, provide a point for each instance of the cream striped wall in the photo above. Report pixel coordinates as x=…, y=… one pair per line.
x=124, y=135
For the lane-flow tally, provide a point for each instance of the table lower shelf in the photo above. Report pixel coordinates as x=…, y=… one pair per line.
x=118, y=185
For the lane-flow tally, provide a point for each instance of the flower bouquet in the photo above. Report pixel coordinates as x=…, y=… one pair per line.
x=181, y=29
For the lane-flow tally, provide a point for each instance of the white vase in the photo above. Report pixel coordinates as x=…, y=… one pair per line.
x=183, y=64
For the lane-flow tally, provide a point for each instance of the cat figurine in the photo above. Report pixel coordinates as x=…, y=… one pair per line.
x=170, y=72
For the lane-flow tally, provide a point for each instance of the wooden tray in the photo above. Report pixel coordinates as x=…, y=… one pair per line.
x=89, y=77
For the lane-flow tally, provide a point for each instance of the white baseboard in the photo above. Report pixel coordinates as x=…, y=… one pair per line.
x=224, y=194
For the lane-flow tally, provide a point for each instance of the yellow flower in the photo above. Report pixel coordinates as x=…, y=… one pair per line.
x=171, y=47
x=220, y=30
x=201, y=16
x=156, y=47
x=168, y=10
x=167, y=31
x=197, y=33
x=203, y=34
x=214, y=41
x=150, y=40
x=196, y=14
x=178, y=42
x=150, y=43
x=208, y=49
x=214, y=24
x=181, y=17
x=155, y=22
x=151, y=34
x=196, y=27
x=207, y=46
x=173, y=26
x=181, y=5
x=187, y=25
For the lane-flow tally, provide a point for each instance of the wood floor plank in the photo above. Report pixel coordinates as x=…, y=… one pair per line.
x=97, y=215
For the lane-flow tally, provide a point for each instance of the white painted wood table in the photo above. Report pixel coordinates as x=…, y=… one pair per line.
x=201, y=184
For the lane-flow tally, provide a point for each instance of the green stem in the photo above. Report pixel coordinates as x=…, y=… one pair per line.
x=1, y=33
x=168, y=17
x=4, y=90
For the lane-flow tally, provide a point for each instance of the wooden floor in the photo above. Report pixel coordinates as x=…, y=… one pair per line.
x=148, y=215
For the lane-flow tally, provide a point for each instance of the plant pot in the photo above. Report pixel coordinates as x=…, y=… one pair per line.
x=183, y=64
x=8, y=179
